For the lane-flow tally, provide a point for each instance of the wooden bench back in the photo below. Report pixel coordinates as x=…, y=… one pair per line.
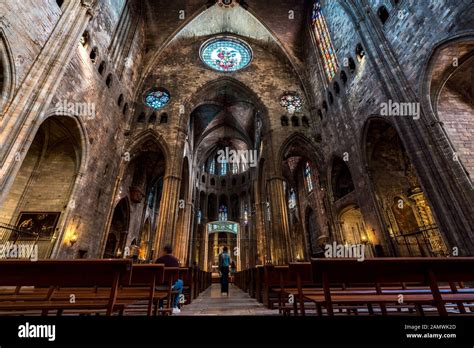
x=302, y=270
x=65, y=273
x=275, y=275
x=143, y=274
x=186, y=275
x=393, y=270
x=171, y=274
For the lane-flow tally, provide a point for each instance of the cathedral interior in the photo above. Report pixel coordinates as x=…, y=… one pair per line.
x=263, y=126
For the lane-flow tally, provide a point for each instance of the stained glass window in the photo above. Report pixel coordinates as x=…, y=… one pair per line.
x=326, y=48
x=212, y=166
x=235, y=168
x=291, y=102
x=226, y=54
x=223, y=213
x=308, y=177
x=157, y=98
x=199, y=217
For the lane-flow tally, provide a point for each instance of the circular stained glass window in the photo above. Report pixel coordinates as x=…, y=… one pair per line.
x=157, y=98
x=292, y=102
x=226, y=54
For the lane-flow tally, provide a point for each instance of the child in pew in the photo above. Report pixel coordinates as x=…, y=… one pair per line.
x=169, y=260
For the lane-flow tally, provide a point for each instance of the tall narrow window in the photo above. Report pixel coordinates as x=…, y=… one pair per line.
x=212, y=167
x=235, y=168
x=199, y=217
x=223, y=213
x=223, y=168
x=246, y=214
x=308, y=177
x=326, y=48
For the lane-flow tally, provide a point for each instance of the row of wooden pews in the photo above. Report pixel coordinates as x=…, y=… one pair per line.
x=110, y=287
x=381, y=286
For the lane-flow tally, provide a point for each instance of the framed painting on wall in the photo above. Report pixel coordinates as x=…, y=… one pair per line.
x=37, y=224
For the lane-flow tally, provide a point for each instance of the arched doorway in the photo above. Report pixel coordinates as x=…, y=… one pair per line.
x=395, y=180
x=41, y=192
x=354, y=230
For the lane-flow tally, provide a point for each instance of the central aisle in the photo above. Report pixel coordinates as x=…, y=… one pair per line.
x=210, y=302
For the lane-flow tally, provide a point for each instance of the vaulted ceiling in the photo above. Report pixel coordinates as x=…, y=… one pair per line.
x=286, y=22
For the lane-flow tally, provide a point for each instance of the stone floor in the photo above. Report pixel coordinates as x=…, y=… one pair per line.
x=211, y=302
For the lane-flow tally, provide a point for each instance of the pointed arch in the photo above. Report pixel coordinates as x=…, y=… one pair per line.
x=7, y=73
x=150, y=135
x=303, y=142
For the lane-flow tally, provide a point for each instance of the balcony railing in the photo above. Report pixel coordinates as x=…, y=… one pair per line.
x=425, y=241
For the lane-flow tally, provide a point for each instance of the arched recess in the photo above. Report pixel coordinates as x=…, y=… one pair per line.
x=394, y=175
x=449, y=97
x=299, y=165
x=117, y=236
x=7, y=73
x=341, y=179
x=353, y=228
x=39, y=198
x=142, y=180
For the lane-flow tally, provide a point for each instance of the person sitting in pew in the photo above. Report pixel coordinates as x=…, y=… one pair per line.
x=169, y=260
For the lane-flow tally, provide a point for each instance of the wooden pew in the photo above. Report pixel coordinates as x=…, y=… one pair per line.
x=371, y=276
x=274, y=277
x=46, y=276
x=145, y=279
x=186, y=274
x=171, y=274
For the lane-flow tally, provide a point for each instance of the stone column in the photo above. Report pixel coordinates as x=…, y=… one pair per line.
x=280, y=225
x=259, y=220
x=205, y=259
x=166, y=223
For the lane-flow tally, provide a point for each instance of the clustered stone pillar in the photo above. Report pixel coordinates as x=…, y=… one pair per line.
x=281, y=251
x=259, y=227
x=166, y=223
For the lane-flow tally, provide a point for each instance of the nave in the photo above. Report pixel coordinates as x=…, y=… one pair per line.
x=211, y=302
